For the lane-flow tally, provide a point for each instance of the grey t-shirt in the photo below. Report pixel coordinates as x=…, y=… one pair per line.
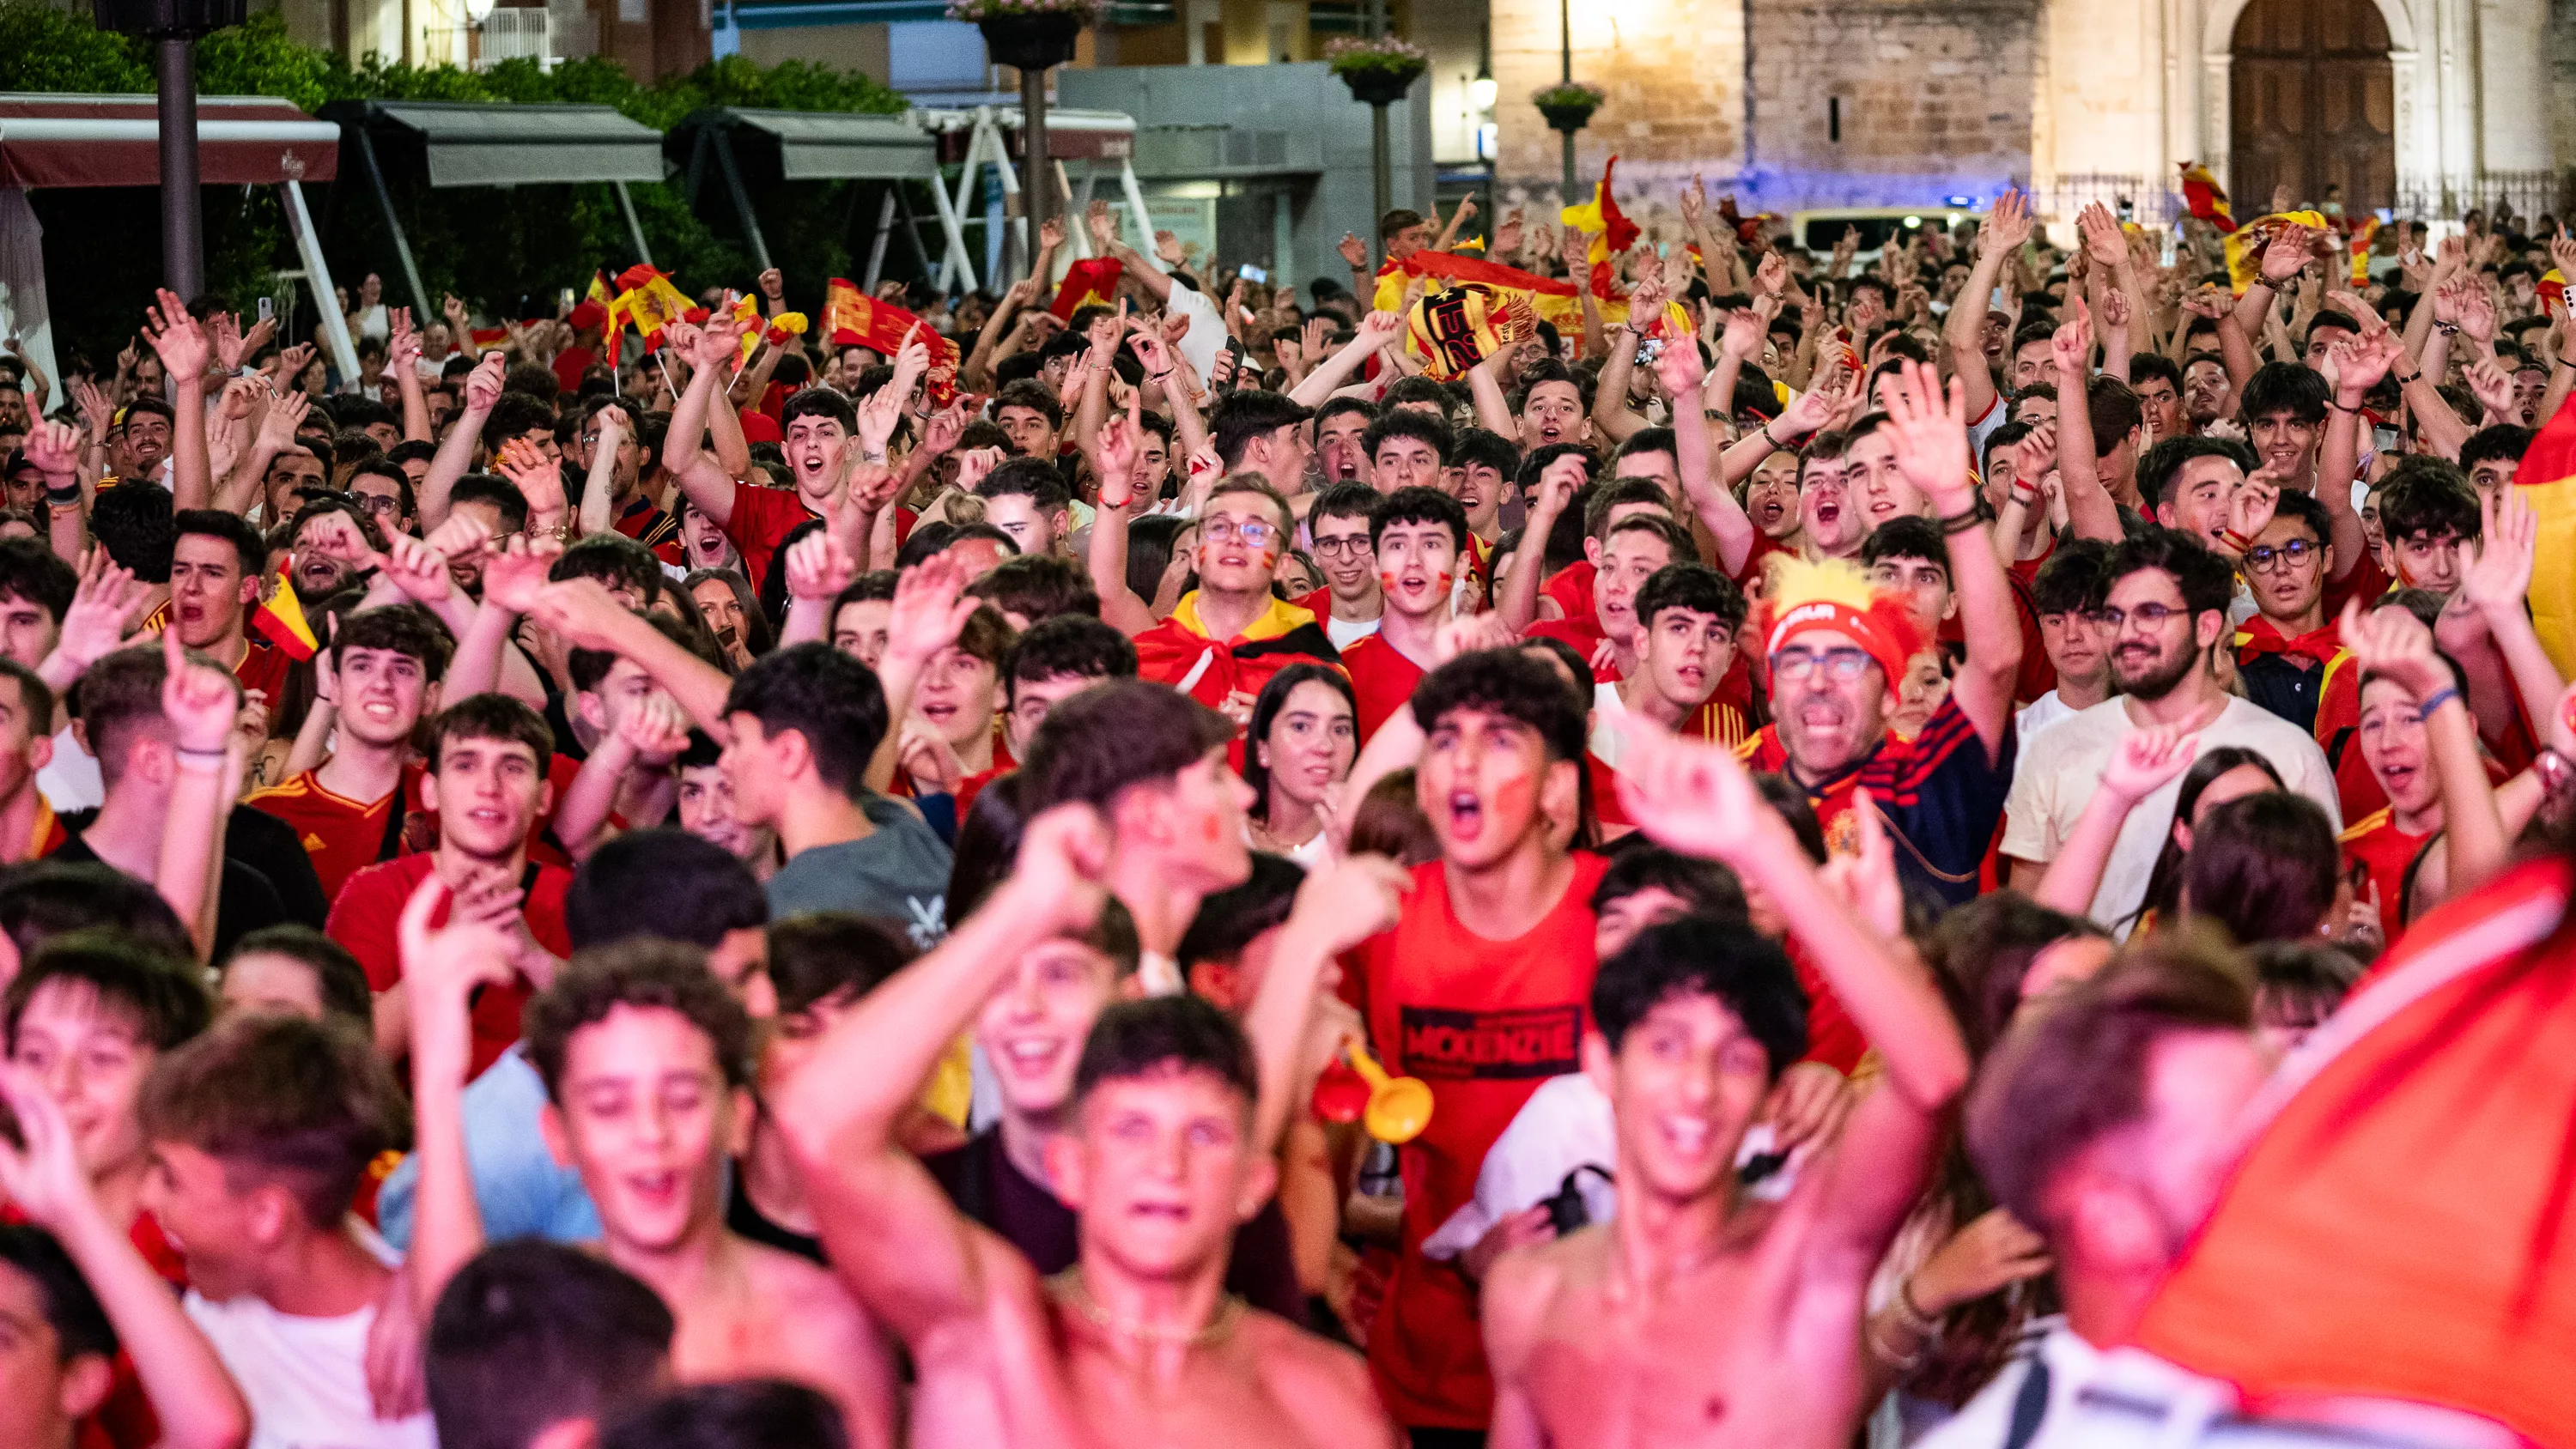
x=899, y=871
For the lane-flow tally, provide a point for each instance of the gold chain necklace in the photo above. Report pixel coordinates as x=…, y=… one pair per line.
x=1073, y=1290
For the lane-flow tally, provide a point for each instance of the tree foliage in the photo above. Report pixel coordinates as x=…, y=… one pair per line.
x=505, y=249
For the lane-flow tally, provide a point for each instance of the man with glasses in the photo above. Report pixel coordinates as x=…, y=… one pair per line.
x=383, y=491
x=1839, y=655
x=1350, y=605
x=1230, y=634
x=2284, y=652
x=2164, y=611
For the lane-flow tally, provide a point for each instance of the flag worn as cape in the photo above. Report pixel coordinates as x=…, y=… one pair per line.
x=281, y=622
x=2547, y=481
x=1611, y=231
x=2401, y=1224
x=2246, y=245
x=853, y=319
x=1091, y=281
x=2205, y=198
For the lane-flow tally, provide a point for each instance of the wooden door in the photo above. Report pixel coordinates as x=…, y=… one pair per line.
x=2313, y=102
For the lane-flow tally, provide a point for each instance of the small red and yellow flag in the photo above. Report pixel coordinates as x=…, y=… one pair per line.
x=2204, y=198
x=280, y=620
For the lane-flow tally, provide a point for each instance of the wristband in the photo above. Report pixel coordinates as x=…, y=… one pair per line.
x=63, y=494
x=2431, y=702
x=1961, y=522
x=2339, y=407
x=2447, y=329
x=2235, y=540
x=188, y=756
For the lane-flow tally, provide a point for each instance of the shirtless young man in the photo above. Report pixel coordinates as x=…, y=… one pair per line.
x=646, y=1059
x=1696, y=1317
x=1137, y=1344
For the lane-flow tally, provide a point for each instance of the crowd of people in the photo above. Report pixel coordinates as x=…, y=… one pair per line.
x=1902, y=845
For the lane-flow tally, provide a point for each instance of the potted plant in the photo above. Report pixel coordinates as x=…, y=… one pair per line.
x=1027, y=34
x=1379, y=70
x=1568, y=105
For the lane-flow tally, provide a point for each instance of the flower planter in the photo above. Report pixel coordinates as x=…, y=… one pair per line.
x=1033, y=41
x=1568, y=117
x=1379, y=85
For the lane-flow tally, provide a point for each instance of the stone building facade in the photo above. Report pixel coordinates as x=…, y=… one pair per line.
x=2425, y=105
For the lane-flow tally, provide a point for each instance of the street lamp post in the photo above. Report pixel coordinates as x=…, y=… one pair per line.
x=1565, y=77
x=1032, y=41
x=173, y=27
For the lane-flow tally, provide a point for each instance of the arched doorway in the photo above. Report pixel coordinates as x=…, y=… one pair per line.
x=2312, y=103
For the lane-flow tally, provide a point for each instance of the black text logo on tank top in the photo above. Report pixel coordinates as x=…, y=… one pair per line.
x=1533, y=1041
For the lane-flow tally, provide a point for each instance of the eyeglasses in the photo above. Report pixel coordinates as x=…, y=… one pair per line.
x=380, y=504
x=2153, y=616
x=1842, y=665
x=2295, y=554
x=1354, y=545
x=1250, y=530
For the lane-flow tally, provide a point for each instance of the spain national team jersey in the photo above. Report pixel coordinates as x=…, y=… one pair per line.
x=343, y=836
x=1938, y=793
x=1483, y=1022
x=2386, y=853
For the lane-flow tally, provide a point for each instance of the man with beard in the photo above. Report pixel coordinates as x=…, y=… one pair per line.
x=332, y=539
x=2164, y=611
x=1839, y=657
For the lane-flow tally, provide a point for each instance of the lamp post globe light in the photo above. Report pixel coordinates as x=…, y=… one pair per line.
x=173, y=27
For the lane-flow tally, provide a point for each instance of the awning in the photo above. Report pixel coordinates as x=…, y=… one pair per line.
x=76, y=140
x=1072, y=135
x=818, y=145
x=466, y=144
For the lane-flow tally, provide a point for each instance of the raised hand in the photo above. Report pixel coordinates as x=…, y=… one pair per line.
x=2495, y=572
x=1772, y=276
x=1678, y=369
x=483, y=384
x=818, y=567
x=1929, y=428
x=2395, y=643
x=1694, y=200
x=1340, y=905
x=103, y=609
x=201, y=701
x=418, y=567
x=1694, y=797
x=453, y=307
x=657, y=729
x=2072, y=343
x=2286, y=254
x=1474, y=633
x=1104, y=227
x=533, y=474
x=2251, y=506
x=1992, y=1252
x=513, y=577
x=1115, y=455
x=177, y=337
x=1064, y=854
x=2145, y=759
x=285, y=414
x=930, y=608
x=441, y=970
x=55, y=450
x=2493, y=388
x=40, y=1167
x=2104, y=242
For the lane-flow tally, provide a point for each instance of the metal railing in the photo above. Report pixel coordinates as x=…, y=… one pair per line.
x=2448, y=198
x=2149, y=201
x=514, y=32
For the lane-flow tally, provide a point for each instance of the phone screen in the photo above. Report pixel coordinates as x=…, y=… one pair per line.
x=267, y=308
x=1255, y=274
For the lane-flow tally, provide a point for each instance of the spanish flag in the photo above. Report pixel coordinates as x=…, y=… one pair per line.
x=2553, y=293
x=1092, y=281
x=1611, y=231
x=851, y=318
x=280, y=621
x=651, y=303
x=2400, y=1223
x=2362, y=236
x=1505, y=292
x=2547, y=481
x=2205, y=198
x=2246, y=245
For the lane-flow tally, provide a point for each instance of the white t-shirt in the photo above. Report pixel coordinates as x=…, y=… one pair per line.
x=1347, y=632
x=1607, y=742
x=71, y=782
x=2059, y=771
x=1985, y=1422
x=2039, y=714
x=305, y=1379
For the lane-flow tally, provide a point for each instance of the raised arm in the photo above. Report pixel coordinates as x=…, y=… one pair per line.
x=402, y=359
x=1930, y=431
x=1115, y=464
x=1484, y=383
x=2088, y=504
x=2353, y=367
x=181, y=343
x=1376, y=330
x=1338, y=906
x=442, y=969
x=598, y=490
x=589, y=617
x=1557, y=483
x=42, y=1177
x=203, y=706
x=456, y=450
x=2005, y=230
x=2395, y=644
x=1696, y=798
x=907, y=1254
x=2283, y=257
x=930, y=611
x=2143, y=762
x=701, y=476
x=1679, y=371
